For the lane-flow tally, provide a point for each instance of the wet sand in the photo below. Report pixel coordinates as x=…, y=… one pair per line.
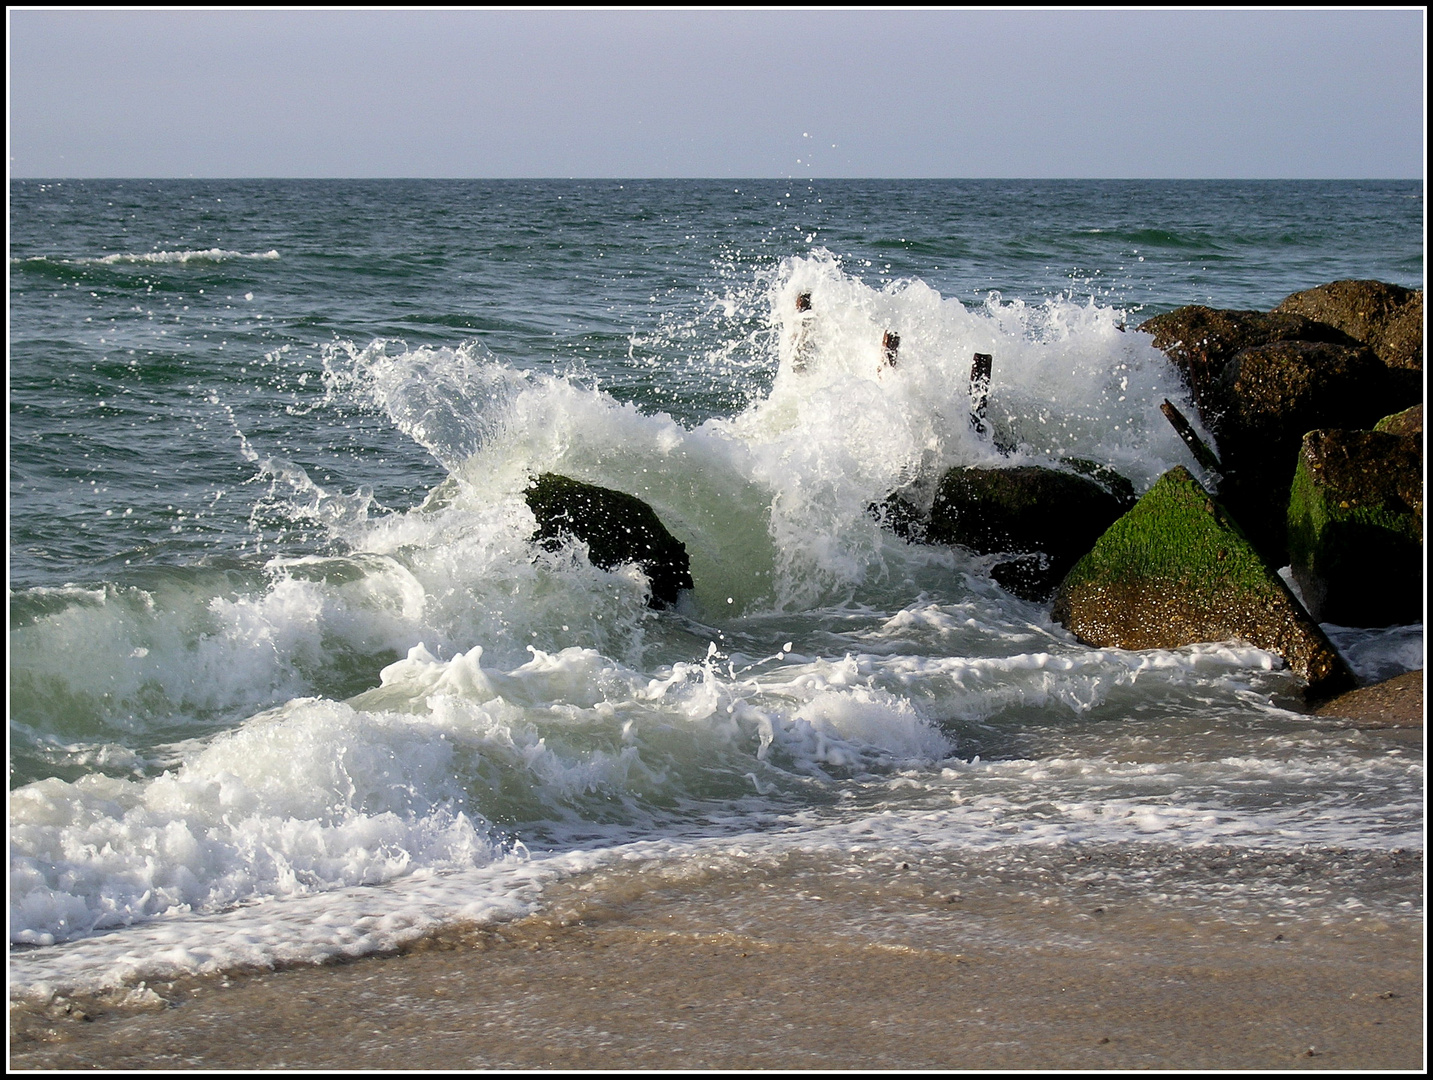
x=808, y=965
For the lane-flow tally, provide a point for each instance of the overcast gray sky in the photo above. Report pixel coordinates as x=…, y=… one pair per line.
x=716, y=93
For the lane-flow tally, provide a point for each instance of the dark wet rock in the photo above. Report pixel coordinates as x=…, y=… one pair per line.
x=1387, y=318
x=902, y=515
x=617, y=528
x=1408, y=423
x=1177, y=570
x=1202, y=340
x=1272, y=389
x=1022, y=510
x=1394, y=703
x=1268, y=397
x=1032, y=576
x=1117, y=485
x=1355, y=526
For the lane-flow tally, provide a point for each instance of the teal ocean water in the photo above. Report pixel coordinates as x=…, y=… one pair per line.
x=289, y=680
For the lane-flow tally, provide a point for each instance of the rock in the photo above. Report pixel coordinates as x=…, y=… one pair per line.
x=1355, y=526
x=1176, y=570
x=901, y=515
x=617, y=528
x=1030, y=577
x=1202, y=340
x=1269, y=390
x=1022, y=510
x=1388, y=318
x=1117, y=485
x=1265, y=400
x=1398, y=702
x=1408, y=423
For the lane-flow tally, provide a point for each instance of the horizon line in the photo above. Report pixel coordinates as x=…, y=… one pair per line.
x=762, y=179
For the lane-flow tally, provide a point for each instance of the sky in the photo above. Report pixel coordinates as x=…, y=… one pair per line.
x=717, y=93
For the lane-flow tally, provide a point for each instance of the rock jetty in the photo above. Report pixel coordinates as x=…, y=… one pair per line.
x=1342, y=355
x=1316, y=408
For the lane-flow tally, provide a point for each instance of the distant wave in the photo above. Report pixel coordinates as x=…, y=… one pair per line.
x=208, y=255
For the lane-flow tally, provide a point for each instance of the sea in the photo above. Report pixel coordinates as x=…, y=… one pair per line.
x=290, y=681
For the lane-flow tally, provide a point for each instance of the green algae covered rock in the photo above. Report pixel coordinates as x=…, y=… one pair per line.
x=1176, y=570
x=1269, y=396
x=617, y=529
x=1356, y=527
x=1408, y=423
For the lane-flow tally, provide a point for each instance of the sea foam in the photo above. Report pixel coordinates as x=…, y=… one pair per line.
x=386, y=727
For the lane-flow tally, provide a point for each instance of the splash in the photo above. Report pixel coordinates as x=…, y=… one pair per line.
x=772, y=501
x=450, y=401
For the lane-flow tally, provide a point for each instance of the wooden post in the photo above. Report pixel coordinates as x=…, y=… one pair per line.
x=890, y=342
x=979, y=390
x=798, y=351
x=1201, y=452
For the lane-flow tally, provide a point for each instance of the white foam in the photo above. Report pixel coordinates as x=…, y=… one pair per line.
x=348, y=923
x=966, y=809
x=317, y=795
x=1379, y=653
x=448, y=400
x=205, y=255
x=306, y=800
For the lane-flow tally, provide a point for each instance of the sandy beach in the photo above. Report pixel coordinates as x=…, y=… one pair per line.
x=799, y=964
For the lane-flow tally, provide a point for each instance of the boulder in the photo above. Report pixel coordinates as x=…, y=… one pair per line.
x=1032, y=576
x=1117, y=485
x=1176, y=570
x=1394, y=703
x=1408, y=423
x=617, y=529
x=1355, y=526
x=1263, y=402
x=1387, y=318
x=1200, y=340
x=1049, y=515
x=902, y=515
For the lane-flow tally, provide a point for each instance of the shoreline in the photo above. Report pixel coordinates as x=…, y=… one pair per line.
x=905, y=965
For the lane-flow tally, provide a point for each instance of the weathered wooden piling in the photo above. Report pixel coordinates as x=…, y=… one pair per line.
x=798, y=352
x=890, y=343
x=1185, y=430
x=980, y=390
